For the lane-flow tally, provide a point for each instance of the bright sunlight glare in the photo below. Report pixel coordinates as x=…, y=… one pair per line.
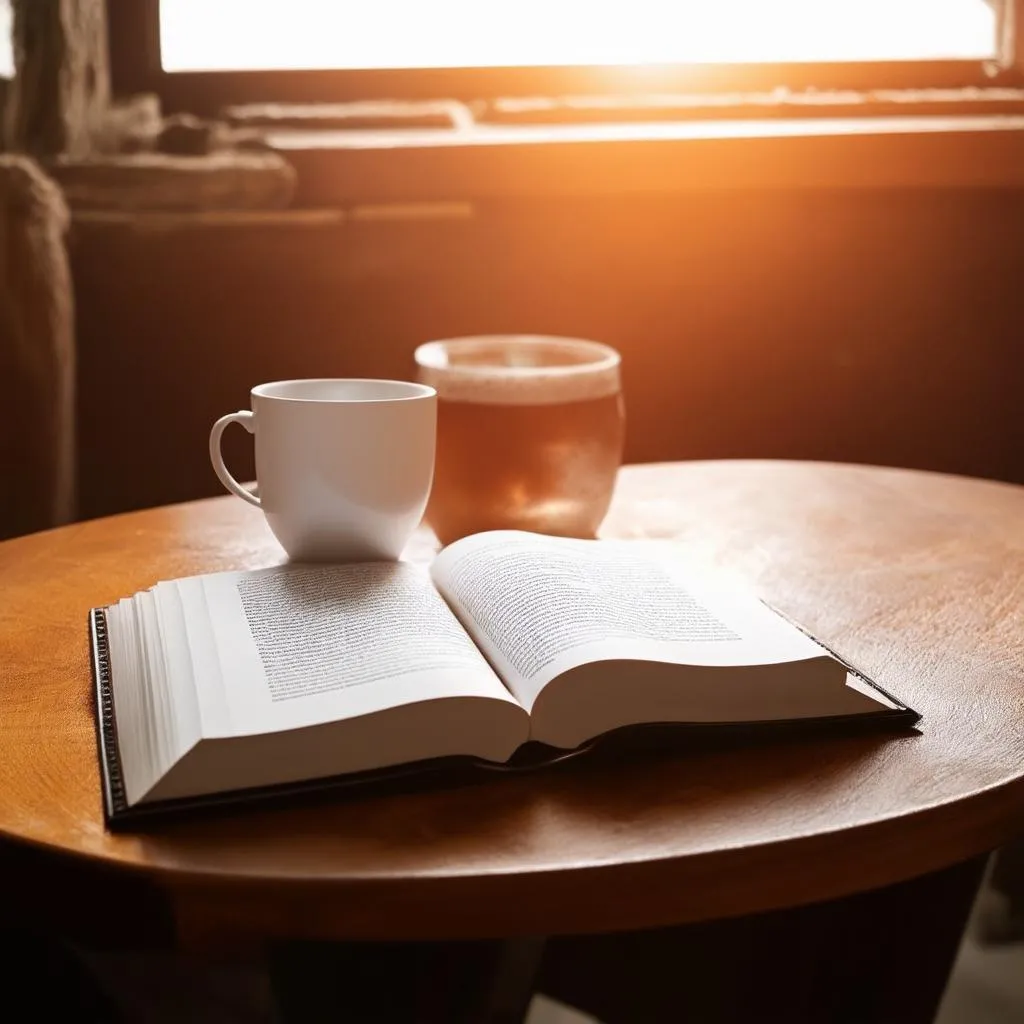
x=206, y=35
x=6, y=50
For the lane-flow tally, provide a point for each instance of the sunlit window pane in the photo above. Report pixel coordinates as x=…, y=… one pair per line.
x=278, y=34
x=6, y=50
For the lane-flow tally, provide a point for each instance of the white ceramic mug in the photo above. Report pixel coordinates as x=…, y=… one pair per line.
x=343, y=467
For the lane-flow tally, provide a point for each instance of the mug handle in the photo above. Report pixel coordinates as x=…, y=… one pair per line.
x=244, y=417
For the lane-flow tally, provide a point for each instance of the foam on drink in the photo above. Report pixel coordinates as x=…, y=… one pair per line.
x=519, y=370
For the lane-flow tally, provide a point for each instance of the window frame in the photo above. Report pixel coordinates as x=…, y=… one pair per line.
x=134, y=27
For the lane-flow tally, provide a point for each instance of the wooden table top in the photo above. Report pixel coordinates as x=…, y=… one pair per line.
x=918, y=578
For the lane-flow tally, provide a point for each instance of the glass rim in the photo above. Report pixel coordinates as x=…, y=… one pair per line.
x=433, y=355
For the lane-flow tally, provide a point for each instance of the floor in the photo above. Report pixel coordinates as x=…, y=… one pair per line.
x=987, y=987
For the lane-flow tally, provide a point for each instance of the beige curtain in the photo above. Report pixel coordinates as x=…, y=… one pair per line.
x=37, y=355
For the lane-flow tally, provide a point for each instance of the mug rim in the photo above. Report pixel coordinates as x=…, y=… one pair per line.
x=432, y=355
x=406, y=390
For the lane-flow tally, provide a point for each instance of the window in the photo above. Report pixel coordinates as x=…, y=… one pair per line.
x=197, y=35
x=6, y=51
x=201, y=54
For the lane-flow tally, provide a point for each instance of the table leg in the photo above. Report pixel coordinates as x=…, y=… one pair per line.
x=881, y=957
x=486, y=982
x=511, y=982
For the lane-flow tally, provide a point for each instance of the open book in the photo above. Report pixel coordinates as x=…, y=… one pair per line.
x=233, y=682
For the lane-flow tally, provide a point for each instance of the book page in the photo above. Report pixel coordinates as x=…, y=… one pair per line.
x=539, y=606
x=204, y=661
x=300, y=645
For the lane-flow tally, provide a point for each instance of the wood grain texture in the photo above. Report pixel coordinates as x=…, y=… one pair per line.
x=917, y=578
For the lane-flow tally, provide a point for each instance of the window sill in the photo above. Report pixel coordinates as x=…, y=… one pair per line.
x=497, y=160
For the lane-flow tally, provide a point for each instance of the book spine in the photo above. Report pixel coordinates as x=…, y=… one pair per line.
x=114, y=799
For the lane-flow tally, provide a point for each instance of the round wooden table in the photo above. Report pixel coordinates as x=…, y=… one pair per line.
x=915, y=577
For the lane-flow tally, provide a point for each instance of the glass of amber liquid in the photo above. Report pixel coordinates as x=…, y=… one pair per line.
x=530, y=432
